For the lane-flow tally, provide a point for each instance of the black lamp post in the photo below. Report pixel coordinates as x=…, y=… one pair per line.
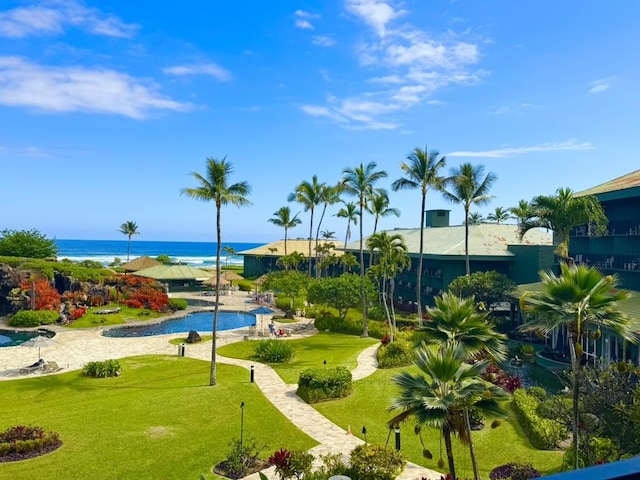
x=252, y=374
x=325, y=364
x=241, y=424
x=397, y=430
x=364, y=432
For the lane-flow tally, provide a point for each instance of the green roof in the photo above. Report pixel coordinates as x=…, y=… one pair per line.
x=173, y=272
x=300, y=245
x=630, y=180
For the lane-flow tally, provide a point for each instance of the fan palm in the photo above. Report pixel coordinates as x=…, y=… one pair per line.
x=214, y=187
x=282, y=218
x=129, y=228
x=579, y=299
x=499, y=215
x=309, y=195
x=421, y=172
x=359, y=182
x=466, y=186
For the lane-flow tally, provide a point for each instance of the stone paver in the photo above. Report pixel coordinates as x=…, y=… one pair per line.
x=75, y=348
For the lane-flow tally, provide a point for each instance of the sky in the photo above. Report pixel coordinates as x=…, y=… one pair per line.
x=106, y=107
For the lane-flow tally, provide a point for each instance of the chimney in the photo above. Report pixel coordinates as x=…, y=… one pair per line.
x=436, y=218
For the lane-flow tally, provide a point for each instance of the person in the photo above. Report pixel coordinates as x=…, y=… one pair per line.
x=272, y=328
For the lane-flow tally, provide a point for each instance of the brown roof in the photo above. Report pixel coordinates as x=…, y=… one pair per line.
x=629, y=180
x=140, y=263
x=276, y=249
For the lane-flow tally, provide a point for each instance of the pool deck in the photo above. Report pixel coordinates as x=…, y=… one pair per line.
x=77, y=347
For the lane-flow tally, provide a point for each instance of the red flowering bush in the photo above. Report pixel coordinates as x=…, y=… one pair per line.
x=47, y=297
x=499, y=377
x=148, y=297
x=77, y=312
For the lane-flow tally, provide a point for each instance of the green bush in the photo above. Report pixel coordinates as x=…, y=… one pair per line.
x=538, y=392
x=543, y=433
x=33, y=318
x=527, y=349
x=376, y=313
x=18, y=441
x=396, y=354
x=375, y=462
x=241, y=456
x=102, y=369
x=349, y=326
x=273, y=351
x=318, y=384
x=178, y=304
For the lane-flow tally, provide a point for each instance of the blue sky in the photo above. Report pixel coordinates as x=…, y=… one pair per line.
x=106, y=106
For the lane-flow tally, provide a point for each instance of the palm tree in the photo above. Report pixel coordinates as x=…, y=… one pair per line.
x=329, y=195
x=499, y=215
x=282, y=218
x=359, y=182
x=442, y=391
x=229, y=252
x=350, y=212
x=129, y=228
x=580, y=299
x=475, y=218
x=309, y=194
x=214, y=187
x=348, y=261
x=522, y=211
x=378, y=206
x=392, y=258
x=561, y=213
x=466, y=186
x=421, y=172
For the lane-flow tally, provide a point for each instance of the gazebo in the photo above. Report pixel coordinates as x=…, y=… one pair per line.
x=140, y=263
x=178, y=278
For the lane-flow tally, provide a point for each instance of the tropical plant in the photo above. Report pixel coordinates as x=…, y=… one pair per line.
x=229, y=252
x=378, y=206
x=392, y=258
x=359, y=182
x=341, y=293
x=329, y=195
x=440, y=395
x=214, y=186
x=522, y=211
x=282, y=218
x=328, y=235
x=487, y=288
x=291, y=283
x=129, y=228
x=27, y=244
x=422, y=171
x=291, y=261
x=579, y=299
x=475, y=218
x=499, y=215
x=309, y=195
x=350, y=212
x=561, y=213
x=467, y=187
x=348, y=261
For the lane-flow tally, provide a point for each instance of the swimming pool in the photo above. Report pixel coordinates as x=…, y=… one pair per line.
x=200, y=322
x=11, y=338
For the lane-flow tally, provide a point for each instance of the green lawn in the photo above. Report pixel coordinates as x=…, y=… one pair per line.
x=368, y=406
x=126, y=314
x=160, y=419
x=337, y=349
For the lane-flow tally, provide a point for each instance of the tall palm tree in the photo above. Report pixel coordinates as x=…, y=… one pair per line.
x=561, y=213
x=392, y=257
x=475, y=218
x=359, y=182
x=282, y=218
x=229, y=251
x=444, y=388
x=422, y=171
x=521, y=212
x=214, y=187
x=350, y=212
x=378, y=206
x=309, y=195
x=329, y=195
x=499, y=215
x=466, y=186
x=579, y=299
x=129, y=228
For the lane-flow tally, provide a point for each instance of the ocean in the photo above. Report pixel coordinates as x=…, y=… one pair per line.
x=196, y=254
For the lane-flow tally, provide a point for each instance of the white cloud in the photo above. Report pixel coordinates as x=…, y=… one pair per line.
x=304, y=14
x=78, y=89
x=323, y=41
x=302, y=19
x=52, y=17
x=599, y=86
x=304, y=24
x=511, y=151
x=211, y=69
x=33, y=152
x=376, y=13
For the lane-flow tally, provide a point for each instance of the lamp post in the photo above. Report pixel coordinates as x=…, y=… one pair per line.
x=241, y=424
x=364, y=432
x=397, y=430
x=252, y=374
x=325, y=364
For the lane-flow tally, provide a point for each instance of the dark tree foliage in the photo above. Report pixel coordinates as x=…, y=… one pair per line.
x=488, y=288
x=27, y=244
x=341, y=293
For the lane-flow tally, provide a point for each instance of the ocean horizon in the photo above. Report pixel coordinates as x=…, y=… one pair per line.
x=196, y=254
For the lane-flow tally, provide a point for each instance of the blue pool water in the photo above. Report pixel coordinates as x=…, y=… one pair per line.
x=11, y=338
x=200, y=322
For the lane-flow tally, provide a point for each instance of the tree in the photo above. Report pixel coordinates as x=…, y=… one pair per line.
x=467, y=187
x=442, y=391
x=378, y=206
x=291, y=261
x=341, y=293
x=129, y=228
x=350, y=212
x=521, y=212
x=309, y=195
x=27, y=244
x=328, y=235
x=329, y=195
x=282, y=218
x=359, y=182
x=348, y=261
x=475, y=218
x=422, y=172
x=291, y=283
x=214, y=186
x=579, y=299
x=392, y=257
x=488, y=288
x=229, y=251
x=561, y=213
x=499, y=215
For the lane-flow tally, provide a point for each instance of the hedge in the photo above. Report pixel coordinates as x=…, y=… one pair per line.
x=318, y=384
x=33, y=318
x=396, y=354
x=349, y=326
x=543, y=433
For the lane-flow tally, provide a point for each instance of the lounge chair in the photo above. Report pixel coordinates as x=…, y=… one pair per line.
x=34, y=367
x=51, y=367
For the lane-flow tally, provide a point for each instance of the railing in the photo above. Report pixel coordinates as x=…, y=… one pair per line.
x=622, y=470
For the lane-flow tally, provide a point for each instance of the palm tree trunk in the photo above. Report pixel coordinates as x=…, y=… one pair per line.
x=285, y=241
x=363, y=294
x=310, y=241
x=575, y=364
x=466, y=239
x=449, y=449
x=318, y=272
x=212, y=378
x=472, y=452
x=128, y=248
x=386, y=307
x=346, y=239
x=392, y=288
x=419, y=276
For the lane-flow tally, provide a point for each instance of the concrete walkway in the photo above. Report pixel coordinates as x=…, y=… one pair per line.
x=75, y=348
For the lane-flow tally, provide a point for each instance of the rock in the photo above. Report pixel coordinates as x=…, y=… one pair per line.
x=193, y=337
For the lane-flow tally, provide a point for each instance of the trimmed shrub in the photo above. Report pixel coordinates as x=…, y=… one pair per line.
x=538, y=392
x=319, y=384
x=21, y=442
x=396, y=354
x=543, y=433
x=514, y=471
x=273, y=351
x=178, y=304
x=349, y=326
x=33, y=318
x=103, y=369
x=375, y=462
x=292, y=464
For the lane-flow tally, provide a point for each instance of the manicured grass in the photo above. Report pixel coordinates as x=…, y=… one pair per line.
x=181, y=340
x=160, y=419
x=337, y=349
x=368, y=406
x=126, y=314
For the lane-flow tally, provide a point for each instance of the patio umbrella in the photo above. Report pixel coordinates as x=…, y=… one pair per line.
x=39, y=341
x=259, y=281
x=213, y=281
x=262, y=311
x=231, y=275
